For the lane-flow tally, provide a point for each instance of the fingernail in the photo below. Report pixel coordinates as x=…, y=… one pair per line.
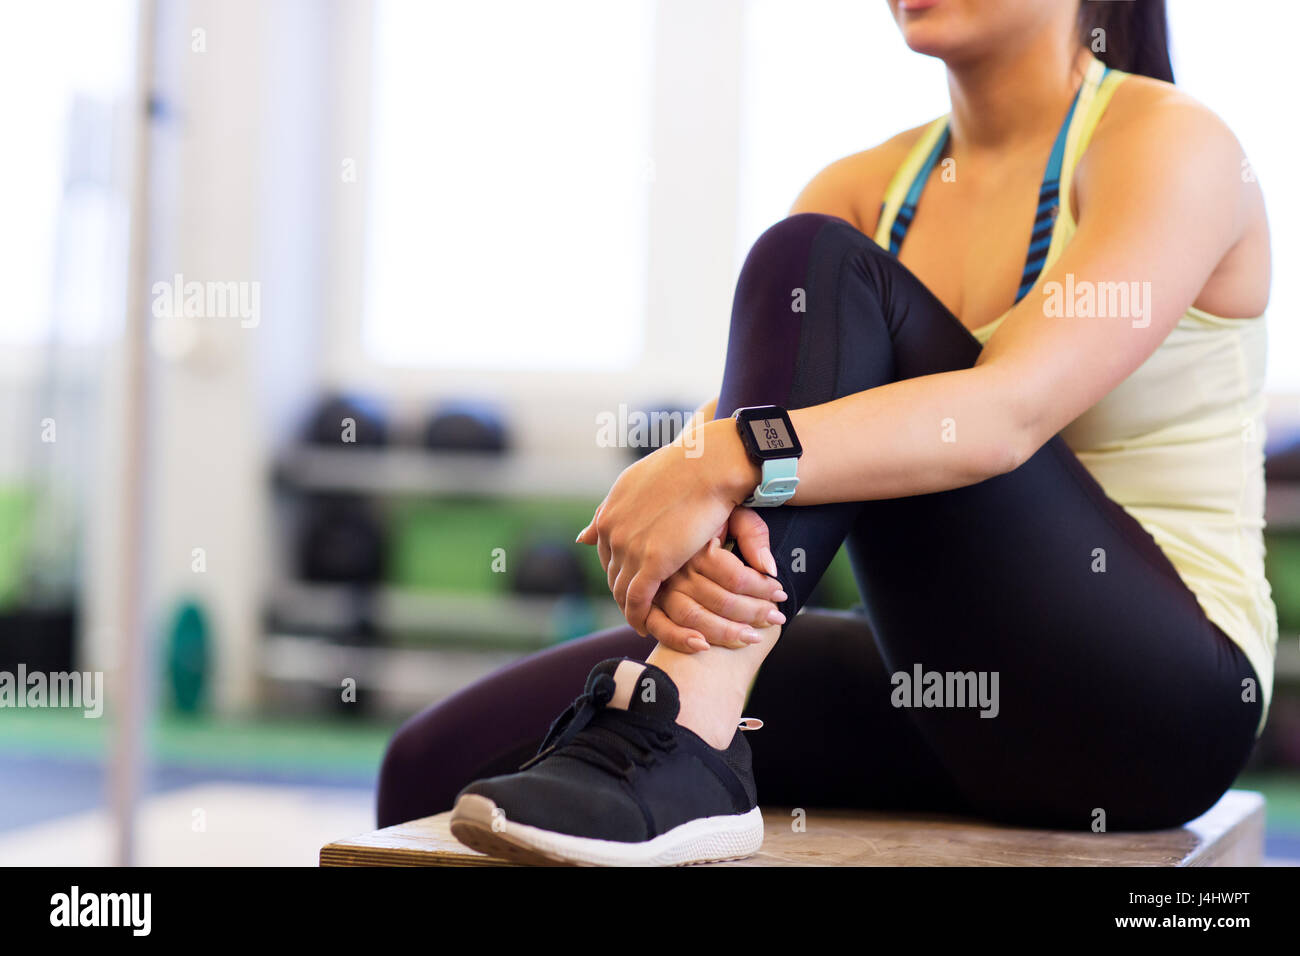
x=750, y=636
x=697, y=644
x=781, y=595
x=775, y=617
x=769, y=562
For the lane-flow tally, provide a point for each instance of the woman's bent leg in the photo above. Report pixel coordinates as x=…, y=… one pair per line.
x=1111, y=698
x=815, y=317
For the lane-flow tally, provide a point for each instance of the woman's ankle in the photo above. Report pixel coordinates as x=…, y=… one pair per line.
x=712, y=685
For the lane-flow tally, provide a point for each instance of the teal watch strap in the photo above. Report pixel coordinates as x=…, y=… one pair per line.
x=777, y=484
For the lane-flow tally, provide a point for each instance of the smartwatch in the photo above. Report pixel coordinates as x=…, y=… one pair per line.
x=770, y=442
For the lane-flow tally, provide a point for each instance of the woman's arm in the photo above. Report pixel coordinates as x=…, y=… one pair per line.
x=1162, y=201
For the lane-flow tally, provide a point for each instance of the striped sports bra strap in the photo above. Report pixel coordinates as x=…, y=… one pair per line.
x=904, y=191
x=1049, y=200
x=903, y=218
x=905, y=177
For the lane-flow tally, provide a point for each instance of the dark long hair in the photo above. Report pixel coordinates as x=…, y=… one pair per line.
x=1134, y=35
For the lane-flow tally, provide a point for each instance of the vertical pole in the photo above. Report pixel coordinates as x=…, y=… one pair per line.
x=130, y=708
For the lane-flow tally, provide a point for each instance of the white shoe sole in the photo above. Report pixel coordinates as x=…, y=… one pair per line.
x=477, y=823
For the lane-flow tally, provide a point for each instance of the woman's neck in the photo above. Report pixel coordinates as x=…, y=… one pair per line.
x=1016, y=97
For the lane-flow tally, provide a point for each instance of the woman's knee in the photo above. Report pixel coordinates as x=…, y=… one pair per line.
x=785, y=250
x=800, y=275
x=426, y=763
x=406, y=752
x=795, y=235
x=791, y=237
x=793, y=268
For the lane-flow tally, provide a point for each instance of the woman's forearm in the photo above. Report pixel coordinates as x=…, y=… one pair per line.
x=911, y=437
x=914, y=436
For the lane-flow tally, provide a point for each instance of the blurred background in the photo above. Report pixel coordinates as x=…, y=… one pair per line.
x=329, y=322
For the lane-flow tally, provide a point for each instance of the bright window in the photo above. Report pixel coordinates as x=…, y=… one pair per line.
x=63, y=230
x=509, y=181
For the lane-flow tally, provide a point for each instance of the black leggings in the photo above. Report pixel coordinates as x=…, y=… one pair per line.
x=1119, y=704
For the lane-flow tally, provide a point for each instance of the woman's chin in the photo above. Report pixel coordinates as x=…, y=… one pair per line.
x=933, y=47
x=931, y=42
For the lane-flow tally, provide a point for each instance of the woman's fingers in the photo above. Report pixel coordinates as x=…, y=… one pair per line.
x=673, y=635
x=618, y=586
x=688, y=613
x=750, y=532
x=741, y=608
x=727, y=596
x=732, y=574
x=617, y=570
x=588, y=535
x=631, y=585
x=641, y=591
x=605, y=552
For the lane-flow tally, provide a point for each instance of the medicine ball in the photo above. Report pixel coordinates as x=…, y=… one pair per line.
x=341, y=541
x=547, y=568
x=466, y=426
x=347, y=420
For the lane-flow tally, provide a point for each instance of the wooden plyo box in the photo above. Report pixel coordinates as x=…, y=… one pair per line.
x=1231, y=833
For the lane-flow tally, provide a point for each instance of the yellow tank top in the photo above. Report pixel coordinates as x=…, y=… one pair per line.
x=1179, y=443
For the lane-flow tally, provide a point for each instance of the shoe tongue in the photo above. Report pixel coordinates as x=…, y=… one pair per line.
x=654, y=693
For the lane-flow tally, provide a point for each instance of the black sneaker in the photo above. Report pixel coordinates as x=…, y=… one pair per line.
x=613, y=787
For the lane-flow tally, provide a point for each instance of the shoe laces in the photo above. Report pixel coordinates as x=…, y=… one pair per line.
x=616, y=746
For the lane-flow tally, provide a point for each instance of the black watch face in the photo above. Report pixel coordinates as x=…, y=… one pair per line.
x=772, y=436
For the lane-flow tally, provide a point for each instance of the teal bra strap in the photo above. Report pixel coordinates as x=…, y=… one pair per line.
x=1040, y=239
x=908, y=208
x=1044, y=217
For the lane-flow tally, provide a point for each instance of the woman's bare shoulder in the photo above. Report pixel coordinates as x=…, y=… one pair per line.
x=1151, y=116
x=853, y=187
x=1153, y=141
x=1155, y=126
x=1140, y=100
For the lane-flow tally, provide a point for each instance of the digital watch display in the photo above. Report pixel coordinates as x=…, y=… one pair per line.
x=770, y=441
